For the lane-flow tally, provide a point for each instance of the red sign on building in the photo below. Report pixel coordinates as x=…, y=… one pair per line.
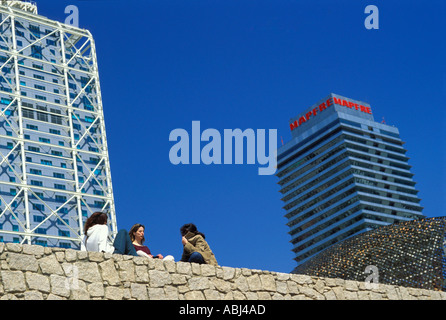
x=324, y=105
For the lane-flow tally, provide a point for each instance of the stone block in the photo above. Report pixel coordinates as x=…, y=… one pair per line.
x=207, y=270
x=114, y=293
x=178, y=279
x=22, y=262
x=159, y=278
x=50, y=265
x=35, y=250
x=254, y=283
x=194, y=295
x=139, y=291
x=96, y=289
x=170, y=266
x=13, y=247
x=282, y=276
x=33, y=295
x=38, y=282
x=211, y=294
x=126, y=270
x=199, y=283
x=109, y=272
x=157, y=294
x=241, y=284
x=268, y=282
x=60, y=286
x=221, y=285
x=88, y=271
x=282, y=287
x=171, y=293
x=228, y=273
x=293, y=287
x=13, y=281
x=184, y=268
x=196, y=269
x=141, y=274
x=95, y=256
x=70, y=255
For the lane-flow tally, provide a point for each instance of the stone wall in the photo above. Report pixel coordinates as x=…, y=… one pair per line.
x=33, y=272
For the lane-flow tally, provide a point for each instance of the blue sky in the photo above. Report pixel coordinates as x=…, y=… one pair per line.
x=253, y=64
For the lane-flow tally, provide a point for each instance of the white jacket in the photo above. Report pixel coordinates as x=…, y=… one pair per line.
x=97, y=239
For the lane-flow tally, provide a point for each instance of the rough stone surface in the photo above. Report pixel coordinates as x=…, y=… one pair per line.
x=31, y=272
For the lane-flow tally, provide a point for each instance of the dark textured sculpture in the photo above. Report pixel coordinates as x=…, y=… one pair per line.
x=409, y=254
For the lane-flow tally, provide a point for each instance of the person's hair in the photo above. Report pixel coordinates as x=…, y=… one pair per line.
x=190, y=227
x=134, y=229
x=95, y=218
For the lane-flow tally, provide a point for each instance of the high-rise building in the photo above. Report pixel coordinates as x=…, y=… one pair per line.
x=54, y=164
x=342, y=174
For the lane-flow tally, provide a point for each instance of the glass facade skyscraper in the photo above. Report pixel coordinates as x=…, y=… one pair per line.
x=54, y=164
x=342, y=174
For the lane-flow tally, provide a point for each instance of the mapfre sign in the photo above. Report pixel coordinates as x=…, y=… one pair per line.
x=324, y=105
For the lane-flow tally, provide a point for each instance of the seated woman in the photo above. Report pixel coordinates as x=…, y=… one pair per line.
x=96, y=237
x=195, y=248
x=137, y=237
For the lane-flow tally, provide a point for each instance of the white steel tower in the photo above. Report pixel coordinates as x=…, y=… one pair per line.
x=54, y=164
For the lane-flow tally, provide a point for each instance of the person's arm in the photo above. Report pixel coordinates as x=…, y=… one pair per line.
x=143, y=254
x=200, y=245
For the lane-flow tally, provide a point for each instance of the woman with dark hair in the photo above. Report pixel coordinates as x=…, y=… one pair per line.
x=195, y=247
x=137, y=237
x=96, y=237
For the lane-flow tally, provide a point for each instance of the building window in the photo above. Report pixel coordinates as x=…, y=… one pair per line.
x=38, y=207
x=38, y=218
x=60, y=198
x=56, y=119
x=59, y=186
x=64, y=233
x=35, y=171
x=42, y=243
x=46, y=162
x=28, y=113
x=41, y=115
x=36, y=52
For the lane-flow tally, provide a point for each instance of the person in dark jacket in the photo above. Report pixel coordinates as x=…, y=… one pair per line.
x=195, y=247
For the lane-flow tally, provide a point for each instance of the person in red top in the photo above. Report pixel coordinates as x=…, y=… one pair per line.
x=136, y=234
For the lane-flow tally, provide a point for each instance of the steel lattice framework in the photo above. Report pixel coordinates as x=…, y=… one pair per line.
x=54, y=164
